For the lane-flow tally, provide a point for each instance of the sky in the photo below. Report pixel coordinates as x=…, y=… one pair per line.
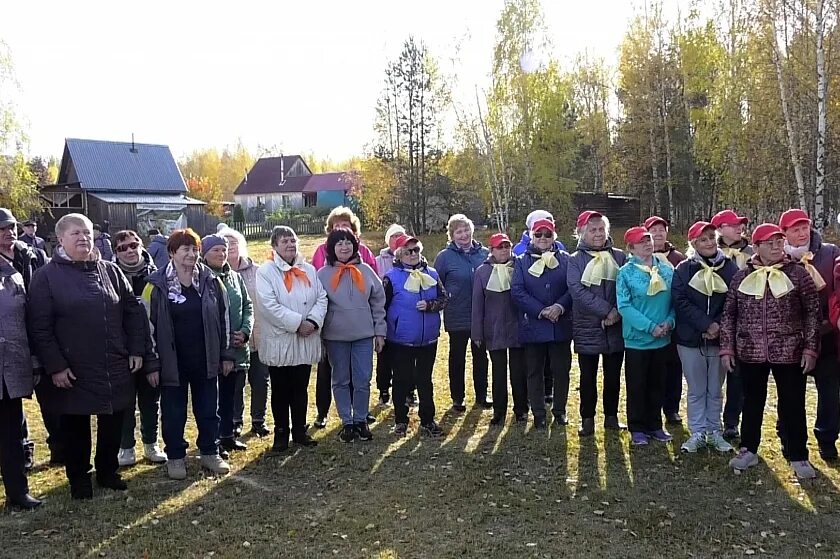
x=302, y=76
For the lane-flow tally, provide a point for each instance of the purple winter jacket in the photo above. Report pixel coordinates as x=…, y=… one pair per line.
x=495, y=321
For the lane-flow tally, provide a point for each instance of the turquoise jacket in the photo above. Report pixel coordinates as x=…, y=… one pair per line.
x=241, y=311
x=640, y=312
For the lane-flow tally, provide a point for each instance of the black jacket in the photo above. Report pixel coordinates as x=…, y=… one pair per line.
x=694, y=311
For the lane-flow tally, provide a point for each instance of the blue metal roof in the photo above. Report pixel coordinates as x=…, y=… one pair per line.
x=115, y=167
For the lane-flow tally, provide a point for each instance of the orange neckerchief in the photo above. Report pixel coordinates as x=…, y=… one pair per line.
x=292, y=273
x=355, y=275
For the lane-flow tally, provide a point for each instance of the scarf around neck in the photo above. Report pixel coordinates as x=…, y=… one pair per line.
x=602, y=267
x=656, y=284
x=173, y=284
x=545, y=260
x=500, y=277
x=756, y=282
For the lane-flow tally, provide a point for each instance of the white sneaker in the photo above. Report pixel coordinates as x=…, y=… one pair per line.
x=803, y=469
x=694, y=443
x=126, y=457
x=177, y=469
x=214, y=463
x=744, y=460
x=717, y=442
x=154, y=454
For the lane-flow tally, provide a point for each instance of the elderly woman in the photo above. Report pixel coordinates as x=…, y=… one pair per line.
x=541, y=294
x=495, y=324
x=699, y=292
x=353, y=328
x=414, y=297
x=137, y=265
x=643, y=296
x=88, y=329
x=291, y=305
x=456, y=265
x=384, y=263
x=16, y=368
x=214, y=254
x=771, y=322
x=593, y=268
x=340, y=217
x=191, y=328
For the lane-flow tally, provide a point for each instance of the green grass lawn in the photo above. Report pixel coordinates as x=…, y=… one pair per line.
x=478, y=492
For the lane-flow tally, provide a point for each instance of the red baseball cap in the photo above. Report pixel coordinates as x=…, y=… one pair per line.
x=653, y=220
x=697, y=229
x=792, y=217
x=403, y=240
x=765, y=231
x=586, y=217
x=543, y=224
x=728, y=217
x=499, y=238
x=635, y=234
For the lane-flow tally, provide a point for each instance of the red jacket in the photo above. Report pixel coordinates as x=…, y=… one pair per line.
x=771, y=330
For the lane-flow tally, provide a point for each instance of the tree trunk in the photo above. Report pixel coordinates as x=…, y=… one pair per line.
x=819, y=187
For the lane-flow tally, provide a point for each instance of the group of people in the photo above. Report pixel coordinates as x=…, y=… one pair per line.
x=195, y=319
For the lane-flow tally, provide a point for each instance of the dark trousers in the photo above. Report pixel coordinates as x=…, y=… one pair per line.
x=148, y=400
x=673, y=381
x=323, y=386
x=458, y=363
x=76, y=428
x=644, y=370
x=559, y=355
x=589, y=383
x=827, y=378
x=384, y=369
x=227, y=397
x=12, y=454
x=52, y=422
x=790, y=388
x=173, y=413
x=549, y=377
x=512, y=359
x=734, y=399
x=258, y=380
x=289, y=397
x=413, y=367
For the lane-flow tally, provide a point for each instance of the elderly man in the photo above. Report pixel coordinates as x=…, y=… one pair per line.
x=30, y=237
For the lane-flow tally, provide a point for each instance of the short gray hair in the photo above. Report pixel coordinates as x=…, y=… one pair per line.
x=66, y=221
x=281, y=231
x=581, y=231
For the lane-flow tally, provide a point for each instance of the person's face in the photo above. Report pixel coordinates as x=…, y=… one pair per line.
x=30, y=230
x=128, y=251
x=343, y=250
x=799, y=235
x=543, y=239
x=185, y=257
x=643, y=249
x=77, y=241
x=410, y=254
x=462, y=235
x=772, y=250
x=342, y=223
x=233, y=252
x=706, y=243
x=595, y=234
x=731, y=233
x=659, y=234
x=216, y=256
x=501, y=253
x=8, y=235
x=286, y=247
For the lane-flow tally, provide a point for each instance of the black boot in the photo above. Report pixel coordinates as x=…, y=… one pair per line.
x=612, y=423
x=23, y=502
x=281, y=440
x=231, y=444
x=81, y=487
x=113, y=481
x=587, y=427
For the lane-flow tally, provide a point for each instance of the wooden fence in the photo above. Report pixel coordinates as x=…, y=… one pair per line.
x=303, y=225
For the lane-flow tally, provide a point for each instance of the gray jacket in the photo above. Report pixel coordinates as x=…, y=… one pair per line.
x=352, y=314
x=217, y=327
x=592, y=305
x=15, y=356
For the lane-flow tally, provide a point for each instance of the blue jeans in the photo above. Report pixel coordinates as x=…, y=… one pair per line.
x=258, y=379
x=351, y=360
x=227, y=394
x=173, y=413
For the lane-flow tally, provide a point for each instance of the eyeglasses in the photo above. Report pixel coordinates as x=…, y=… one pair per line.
x=547, y=235
x=128, y=246
x=410, y=251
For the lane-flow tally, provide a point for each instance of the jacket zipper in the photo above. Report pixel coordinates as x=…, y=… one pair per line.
x=105, y=353
x=764, y=321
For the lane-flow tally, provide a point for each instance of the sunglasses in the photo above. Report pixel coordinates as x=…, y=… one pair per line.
x=128, y=246
x=546, y=235
x=410, y=251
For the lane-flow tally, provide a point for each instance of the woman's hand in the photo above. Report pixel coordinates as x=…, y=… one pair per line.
x=238, y=339
x=727, y=362
x=135, y=363
x=227, y=367
x=153, y=379
x=63, y=379
x=713, y=331
x=379, y=343
x=306, y=329
x=808, y=363
x=659, y=331
x=422, y=305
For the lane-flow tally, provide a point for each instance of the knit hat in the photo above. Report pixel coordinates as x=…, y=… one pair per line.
x=537, y=215
x=211, y=241
x=393, y=230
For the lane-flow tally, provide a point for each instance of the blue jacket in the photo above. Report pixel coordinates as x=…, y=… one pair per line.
x=157, y=248
x=531, y=295
x=640, y=312
x=457, y=270
x=525, y=241
x=407, y=325
x=694, y=311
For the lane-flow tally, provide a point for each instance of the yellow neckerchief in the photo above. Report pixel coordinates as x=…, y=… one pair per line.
x=656, y=284
x=736, y=255
x=663, y=257
x=417, y=280
x=602, y=267
x=499, y=281
x=805, y=260
x=546, y=259
x=706, y=281
x=755, y=283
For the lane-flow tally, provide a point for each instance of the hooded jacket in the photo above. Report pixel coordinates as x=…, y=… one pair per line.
x=384, y=262
x=240, y=312
x=157, y=248
x=352, y=314
x=592, y=304
x=532, y=294
x=407, y=325
x=456, y=268
x=642, y=313
x=694, y=311
x=495, y=318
